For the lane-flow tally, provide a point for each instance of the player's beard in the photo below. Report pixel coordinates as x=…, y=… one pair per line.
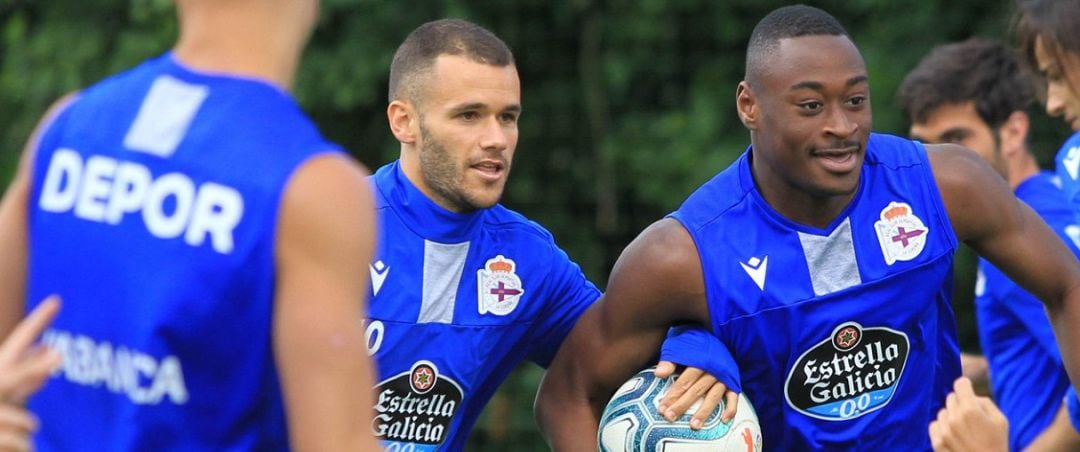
x=443, y=175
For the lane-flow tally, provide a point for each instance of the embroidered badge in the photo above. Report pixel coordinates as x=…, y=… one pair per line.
x=499, y=288
x=902, y=235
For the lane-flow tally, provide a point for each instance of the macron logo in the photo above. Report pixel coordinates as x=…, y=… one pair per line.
x=756, y=269
x=1072, y=162
x=1073, y=231
x=379, y=270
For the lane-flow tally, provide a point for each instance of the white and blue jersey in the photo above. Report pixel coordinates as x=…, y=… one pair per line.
x=844, y=336
x=1026, y=373
x=155, y=196
x=458, y=301
x=1067, y=163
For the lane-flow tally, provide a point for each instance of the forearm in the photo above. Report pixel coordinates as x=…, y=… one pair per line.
x=1065, y=318
x=563, y=412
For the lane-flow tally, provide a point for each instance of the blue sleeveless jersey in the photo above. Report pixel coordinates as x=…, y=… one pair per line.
x=458, y=301
x=1067, y=163
x=153, y=213
x=844, y=336
x=1026, y=373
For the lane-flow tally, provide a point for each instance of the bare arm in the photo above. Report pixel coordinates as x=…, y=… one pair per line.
x=1059, y=436
x=987, y=216
x=325, y=240
x=977, y=370
x=656, y=282
x=13, y=238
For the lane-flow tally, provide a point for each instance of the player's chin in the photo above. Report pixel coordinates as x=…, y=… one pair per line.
x=835, y=186
x=486, y=196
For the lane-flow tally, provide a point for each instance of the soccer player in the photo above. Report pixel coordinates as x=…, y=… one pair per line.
x=974, y=94
x=1046, y=30
x=205, y=240
x=822, y=259
x=463, y=288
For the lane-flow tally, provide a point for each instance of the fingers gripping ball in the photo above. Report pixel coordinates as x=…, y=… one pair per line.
x=632, y=422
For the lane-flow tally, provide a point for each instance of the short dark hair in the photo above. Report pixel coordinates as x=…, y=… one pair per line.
x=787, y=22
x=978, y=70
x=1057, y=22
x=416, y=55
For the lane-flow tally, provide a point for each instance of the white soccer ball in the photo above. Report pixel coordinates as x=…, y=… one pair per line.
x=632, y=422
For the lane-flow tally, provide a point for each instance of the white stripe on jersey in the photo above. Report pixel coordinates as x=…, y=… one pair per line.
x=443, y=264
x=164, y=117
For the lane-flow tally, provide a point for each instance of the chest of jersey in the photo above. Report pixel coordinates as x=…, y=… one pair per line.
x=839, y=332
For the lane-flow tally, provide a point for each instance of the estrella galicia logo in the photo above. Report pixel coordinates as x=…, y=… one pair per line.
x=416, y=407
x=852, y=372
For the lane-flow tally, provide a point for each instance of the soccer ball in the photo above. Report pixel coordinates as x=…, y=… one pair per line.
x=632, y=422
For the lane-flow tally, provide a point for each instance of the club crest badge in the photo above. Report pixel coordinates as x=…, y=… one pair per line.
x=499, y=288
x=902, y=235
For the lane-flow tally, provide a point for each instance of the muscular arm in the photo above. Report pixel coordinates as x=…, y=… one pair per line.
x=13, y=238
x=325, y=240
x=656, y=282
x=987, y=216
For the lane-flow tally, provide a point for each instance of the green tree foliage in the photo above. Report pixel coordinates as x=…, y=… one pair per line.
x=629, y=105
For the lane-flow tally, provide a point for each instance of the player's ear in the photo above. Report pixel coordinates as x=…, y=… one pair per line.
x=1013, y=132
x=404, y=121
x=746, y=104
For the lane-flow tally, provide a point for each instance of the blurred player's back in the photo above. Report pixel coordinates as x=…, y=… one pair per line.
x=204, y=238
x=152, y=210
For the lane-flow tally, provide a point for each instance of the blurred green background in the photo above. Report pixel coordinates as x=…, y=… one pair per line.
x=628, y=105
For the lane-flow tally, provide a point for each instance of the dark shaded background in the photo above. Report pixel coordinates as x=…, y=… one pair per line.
x=628, y=106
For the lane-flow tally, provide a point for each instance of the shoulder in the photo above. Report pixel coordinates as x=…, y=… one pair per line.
x=894, y=151
x=971, y=190
x=717, y=196
x=327, y=188
x=954, y=164
x=500, y=218
x=662, y=265
x=665, y=251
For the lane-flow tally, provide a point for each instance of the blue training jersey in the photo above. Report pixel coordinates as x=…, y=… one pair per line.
x=1067, y=163
x=458, y=301
x=1026, y=373
x=154, y=204
x=844, y=336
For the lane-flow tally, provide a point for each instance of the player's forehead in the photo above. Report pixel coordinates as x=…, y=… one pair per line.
x=456, y=80
x=949, y=116
x=828, y=60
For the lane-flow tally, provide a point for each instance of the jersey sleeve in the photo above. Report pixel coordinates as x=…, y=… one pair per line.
x=693, y=346
x=567, y=293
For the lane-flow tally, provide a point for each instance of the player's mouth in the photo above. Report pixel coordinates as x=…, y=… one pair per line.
x=837, y=160
x=489, y=170
x=1074, y=122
